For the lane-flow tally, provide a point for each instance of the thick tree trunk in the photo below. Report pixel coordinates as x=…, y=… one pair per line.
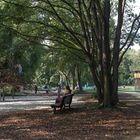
x=114, y=95
x=116, y=51
x=105, y=92
x=99, y=86
x=100, y=95
x=106, y=55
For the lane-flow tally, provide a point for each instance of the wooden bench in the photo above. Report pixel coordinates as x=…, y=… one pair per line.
x=65, y=102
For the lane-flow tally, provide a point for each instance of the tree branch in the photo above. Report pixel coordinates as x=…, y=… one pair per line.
x=130, y=43
x=130, y=33
x=66, y=27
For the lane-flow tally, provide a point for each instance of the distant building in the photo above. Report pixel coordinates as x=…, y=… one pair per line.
x=137, y=79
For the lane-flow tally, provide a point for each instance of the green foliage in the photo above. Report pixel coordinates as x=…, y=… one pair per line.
x=84, y=31
x=127, y=89
x=134, y=56
x=95, y=106
x=125, y=75
x=130, y=63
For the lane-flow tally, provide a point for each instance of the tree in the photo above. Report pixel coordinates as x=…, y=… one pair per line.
x=134, y=57
x=125, y=72
x=86, y=27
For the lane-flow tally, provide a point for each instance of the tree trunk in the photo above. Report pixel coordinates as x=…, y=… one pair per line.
x=99, y=86
x=79, y=78
x=73, y=78
x=10, y=59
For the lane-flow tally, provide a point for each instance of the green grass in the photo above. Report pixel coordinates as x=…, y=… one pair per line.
x=128, y=89
x=95, y=106
x=120, y=89
x=89, y=90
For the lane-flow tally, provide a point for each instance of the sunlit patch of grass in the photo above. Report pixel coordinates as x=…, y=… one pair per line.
x=95, y=106
x=127, y=89
x=122, y=103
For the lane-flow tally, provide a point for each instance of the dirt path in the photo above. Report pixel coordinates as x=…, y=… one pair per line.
x=31, y=102
x=79, y=123
x=132, y=100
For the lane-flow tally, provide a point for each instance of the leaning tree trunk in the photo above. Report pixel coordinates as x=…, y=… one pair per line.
x=97, y=81
x=73, y=71
x=10, y=58
x=116, y=51
x=79, y=78
x=101, y=72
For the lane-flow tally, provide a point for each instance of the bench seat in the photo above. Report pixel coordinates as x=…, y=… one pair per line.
x=65, y=102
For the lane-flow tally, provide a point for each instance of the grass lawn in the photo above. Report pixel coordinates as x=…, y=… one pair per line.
x=120, y=89
x=127, y=89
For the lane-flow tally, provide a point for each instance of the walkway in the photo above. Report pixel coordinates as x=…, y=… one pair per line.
x=43, y=101
x=30, y=102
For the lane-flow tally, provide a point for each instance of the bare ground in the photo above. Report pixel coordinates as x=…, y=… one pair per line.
x=80, y=123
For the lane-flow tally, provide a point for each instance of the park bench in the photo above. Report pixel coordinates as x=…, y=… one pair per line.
x=65, y=102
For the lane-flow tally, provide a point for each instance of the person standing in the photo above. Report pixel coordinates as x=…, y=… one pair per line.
x=36, y=89
x=19, y=69
x=46, y=88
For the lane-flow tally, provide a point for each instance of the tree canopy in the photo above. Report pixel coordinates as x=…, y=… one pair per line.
x=98, y=32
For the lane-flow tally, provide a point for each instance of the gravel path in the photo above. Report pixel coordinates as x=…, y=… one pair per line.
x=43, y=101
x=30, y=102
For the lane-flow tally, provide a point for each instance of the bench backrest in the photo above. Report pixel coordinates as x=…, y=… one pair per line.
x=67, y=99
